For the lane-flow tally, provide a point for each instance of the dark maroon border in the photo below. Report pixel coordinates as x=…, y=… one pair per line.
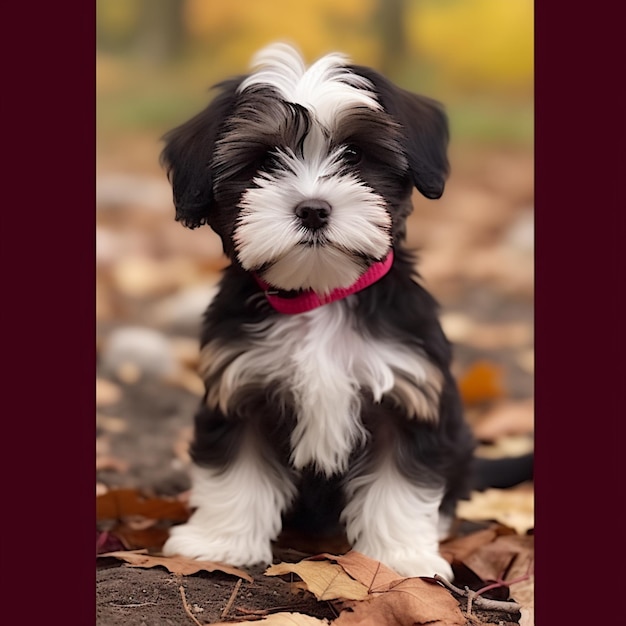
x=47, y=253
x=48, y=307
x=579, y=131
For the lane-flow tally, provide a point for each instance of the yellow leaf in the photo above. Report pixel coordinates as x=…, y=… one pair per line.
x=512, y=507
x=327, y=581
x=175, y=564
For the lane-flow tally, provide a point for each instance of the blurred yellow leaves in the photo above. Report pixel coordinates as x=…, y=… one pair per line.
x=476, y=43
x=240, y=27
x=470, y=45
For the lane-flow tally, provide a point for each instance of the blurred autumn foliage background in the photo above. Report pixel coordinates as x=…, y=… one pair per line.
x=156, y=60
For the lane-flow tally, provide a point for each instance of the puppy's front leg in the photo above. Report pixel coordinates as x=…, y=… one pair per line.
x=238, y=504
x=395, y=520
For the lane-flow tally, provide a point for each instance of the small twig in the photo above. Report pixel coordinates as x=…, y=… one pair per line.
x=187, y=607
x=233, y=595
x=470, y=599
x=479, y=601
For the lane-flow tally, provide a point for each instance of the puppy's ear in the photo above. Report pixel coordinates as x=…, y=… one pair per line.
x=188, y=155
x=425, y=131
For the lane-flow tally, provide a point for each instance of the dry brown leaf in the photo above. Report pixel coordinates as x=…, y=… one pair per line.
x=407, y=601
x=459, y=549
x=175, y=564
x=327, y=581
x=373, y=574
x=121, y=503
x=491, y=561
x=483, y=381
x=282, y=619
x=507, y=418
x=511, y=507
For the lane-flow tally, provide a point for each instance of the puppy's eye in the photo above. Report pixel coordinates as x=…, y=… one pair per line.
x=352, y=155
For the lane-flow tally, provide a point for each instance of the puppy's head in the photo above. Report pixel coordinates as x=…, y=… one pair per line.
x=306, y=173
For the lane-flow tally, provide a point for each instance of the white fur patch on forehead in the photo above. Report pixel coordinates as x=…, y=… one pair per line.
x=326, y=87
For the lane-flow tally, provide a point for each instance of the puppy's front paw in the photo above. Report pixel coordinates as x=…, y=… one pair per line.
x=200, y=543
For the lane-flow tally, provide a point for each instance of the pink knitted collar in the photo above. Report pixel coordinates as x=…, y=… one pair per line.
x=309, y=300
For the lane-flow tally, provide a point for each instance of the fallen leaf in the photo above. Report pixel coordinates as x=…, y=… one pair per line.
x=282, y=619
x=121, y=503
x=175, y=564
x=511, y=507
x=459, y=549
x=483, y=381
x=373, y=574
x=326, y=580
x=510, y=557
x=407, y=602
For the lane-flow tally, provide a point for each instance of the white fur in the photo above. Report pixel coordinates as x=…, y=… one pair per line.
x=322, y=363
x=238, y=513
x=268, y=231
x=395, y=521
x=327, y=87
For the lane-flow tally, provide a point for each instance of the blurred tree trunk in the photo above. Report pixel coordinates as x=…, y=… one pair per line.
x=390, y=16
x=160, y=31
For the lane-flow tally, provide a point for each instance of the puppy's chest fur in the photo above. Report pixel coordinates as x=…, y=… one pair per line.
x=323, y=368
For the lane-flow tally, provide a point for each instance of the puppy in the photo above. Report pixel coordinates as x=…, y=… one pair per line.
x=329, y=400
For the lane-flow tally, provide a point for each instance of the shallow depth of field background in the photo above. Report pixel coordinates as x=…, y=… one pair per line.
x=156, y=60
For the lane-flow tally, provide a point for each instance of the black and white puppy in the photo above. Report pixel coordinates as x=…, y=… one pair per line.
x=329, y=400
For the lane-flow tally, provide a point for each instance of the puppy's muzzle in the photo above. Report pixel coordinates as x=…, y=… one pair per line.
x=313, y=214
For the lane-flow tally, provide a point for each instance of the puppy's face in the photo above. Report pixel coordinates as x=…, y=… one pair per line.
x=306, y=174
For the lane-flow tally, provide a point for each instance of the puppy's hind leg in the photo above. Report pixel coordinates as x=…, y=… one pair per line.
x=238, y=508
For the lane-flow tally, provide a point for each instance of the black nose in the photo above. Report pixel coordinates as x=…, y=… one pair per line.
x=313, y=214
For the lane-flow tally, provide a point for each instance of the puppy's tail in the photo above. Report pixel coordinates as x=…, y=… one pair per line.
x=502, y=473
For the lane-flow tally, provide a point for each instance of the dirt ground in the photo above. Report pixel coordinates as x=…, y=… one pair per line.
x=155, y=278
